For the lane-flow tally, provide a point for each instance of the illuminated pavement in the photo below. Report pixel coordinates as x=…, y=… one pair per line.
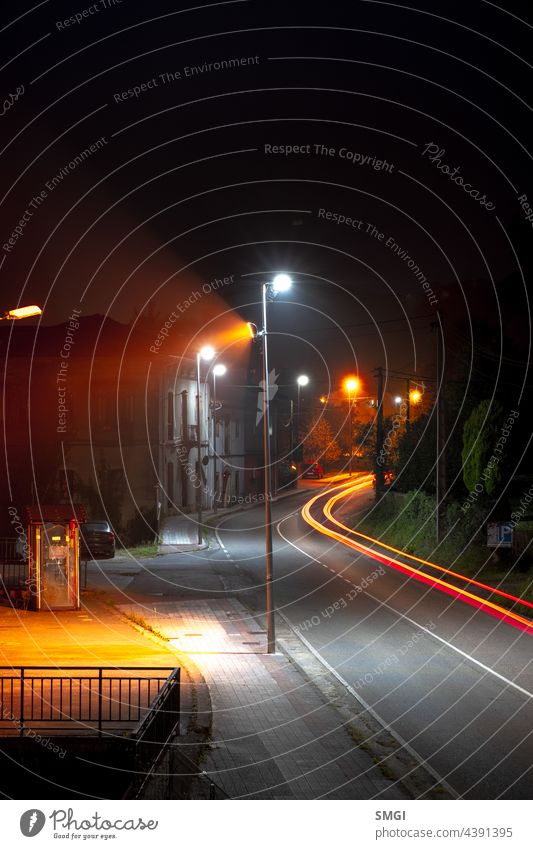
x=273, y=734
x=452, y=682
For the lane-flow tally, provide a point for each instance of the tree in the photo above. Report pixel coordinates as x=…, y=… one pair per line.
x=319, y=442
x=416, y=456
x=480, y=435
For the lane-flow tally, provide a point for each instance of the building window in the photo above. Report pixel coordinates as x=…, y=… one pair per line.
x=227, y=435
x=170, y=484
x=170, y=416
x=128, y=409
x=103, y=408
x=237, y=428
x=184, y=414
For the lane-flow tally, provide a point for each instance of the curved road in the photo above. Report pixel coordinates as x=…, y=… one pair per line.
x=453, y=681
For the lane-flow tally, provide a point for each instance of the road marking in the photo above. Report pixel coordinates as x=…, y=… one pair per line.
x=426, y=630
x=399, y=739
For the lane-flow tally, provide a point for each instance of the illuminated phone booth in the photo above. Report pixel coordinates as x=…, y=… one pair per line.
x=54, y=557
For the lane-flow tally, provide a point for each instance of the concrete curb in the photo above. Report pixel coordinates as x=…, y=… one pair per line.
x=404, y=766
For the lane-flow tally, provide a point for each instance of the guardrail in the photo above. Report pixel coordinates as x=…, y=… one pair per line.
x=94, y=696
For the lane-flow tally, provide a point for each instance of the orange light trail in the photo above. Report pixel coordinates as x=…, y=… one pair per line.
x=438, y=583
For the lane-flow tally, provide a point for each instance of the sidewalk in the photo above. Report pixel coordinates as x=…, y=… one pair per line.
x=180, y=533
x=92, y=636
x=274, y=735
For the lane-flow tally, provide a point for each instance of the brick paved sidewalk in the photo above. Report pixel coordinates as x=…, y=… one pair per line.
x=179, y=533
x=274, y=735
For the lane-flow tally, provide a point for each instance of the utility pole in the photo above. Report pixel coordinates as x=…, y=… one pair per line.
x=292, y=428
x=379, y=431
x=440, y=468
x=198, y=452
x=407, y=402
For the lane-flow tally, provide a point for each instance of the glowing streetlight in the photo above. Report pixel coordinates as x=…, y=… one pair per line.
x=352, y=385
x=302, y=380
x=281, y=283
x=398, y=400
x=20, y=312
x=207, y=352
x=323, y=399
x=416, y=396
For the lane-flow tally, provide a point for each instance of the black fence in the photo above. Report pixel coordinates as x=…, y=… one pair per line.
x=155, y=738
x=10, y=550
x=162, y=722
x=44, y=696
x=13, y=574
x=13, y=565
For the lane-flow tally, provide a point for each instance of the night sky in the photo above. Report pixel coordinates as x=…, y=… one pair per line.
x=377, y=152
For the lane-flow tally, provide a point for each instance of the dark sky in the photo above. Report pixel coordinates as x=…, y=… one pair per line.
x=186, y=187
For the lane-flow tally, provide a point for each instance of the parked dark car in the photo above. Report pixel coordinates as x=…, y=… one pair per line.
x=313, y=471
x=97, y=541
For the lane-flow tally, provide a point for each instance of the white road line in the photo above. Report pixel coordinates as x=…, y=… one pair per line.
x=423, y=628
x=403, y=743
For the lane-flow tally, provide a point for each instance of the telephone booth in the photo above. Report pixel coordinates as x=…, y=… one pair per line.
x=53, y=545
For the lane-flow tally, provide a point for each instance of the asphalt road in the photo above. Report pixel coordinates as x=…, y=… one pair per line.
x=453, y=681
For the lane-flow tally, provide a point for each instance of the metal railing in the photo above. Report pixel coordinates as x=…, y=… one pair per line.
x=13, y=564
x=13, y=574
x=87, y=695
x=10, y=550
x=156, y=737
x=162, y=722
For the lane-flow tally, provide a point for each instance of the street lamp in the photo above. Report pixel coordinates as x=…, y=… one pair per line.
x=280, y=283
x=206, y=353
x=218, y=370
x=352, y=384
x=20, y=312
x=302, y=380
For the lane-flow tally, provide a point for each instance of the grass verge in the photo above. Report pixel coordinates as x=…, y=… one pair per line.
x=407, y=522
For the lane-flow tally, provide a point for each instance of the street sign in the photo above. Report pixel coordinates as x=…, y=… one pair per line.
x=499, y=535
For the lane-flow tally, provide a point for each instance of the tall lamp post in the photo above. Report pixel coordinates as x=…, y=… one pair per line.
x=352, y=385
x=302, y=380
x=280, y=283
x=206, y=353
x=218, y=370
